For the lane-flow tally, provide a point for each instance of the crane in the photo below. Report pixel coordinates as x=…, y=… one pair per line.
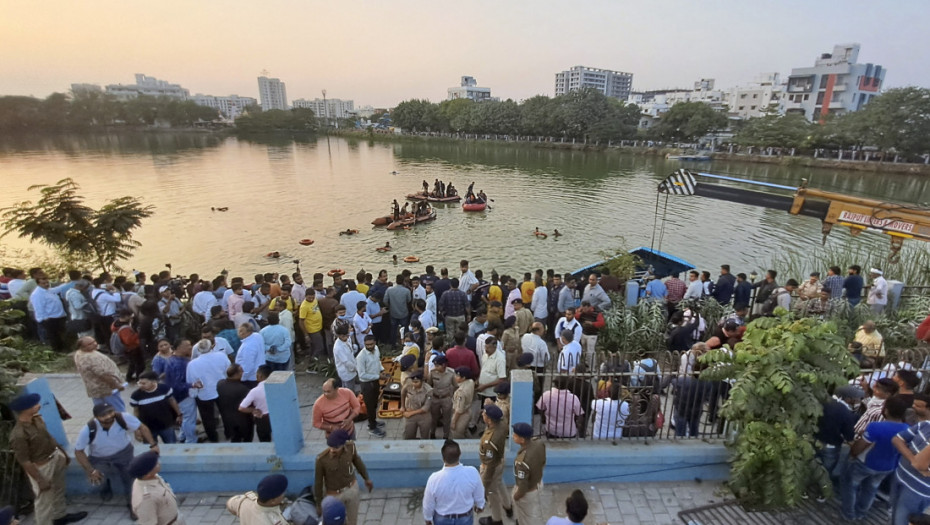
x=899, y=221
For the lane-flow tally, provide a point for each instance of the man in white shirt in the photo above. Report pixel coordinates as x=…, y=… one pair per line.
x=256, y=404
x=351, y=298
x=570, y=355
x=49, y=313
x=361, y=324
x=251, y=354
x=203, y=373
x=344, y=358
x=454, y=492
x=878, y=293
x=431, y=299
x=417, y=288
x=204, y=300
x=493, y=368
x=368, y=364
x=220, y=344
x=568, y=323
x=426, y=317
x=514, y=294
x=533, y=343
x=467, y=280
x=540, y=305
x=298, y=290
x=695, y=288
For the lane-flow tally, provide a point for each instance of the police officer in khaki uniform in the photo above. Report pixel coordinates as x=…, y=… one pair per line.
x=43, y=460
x=444, y=385
x=503, y=402
x=152, y=498
x=335, y=470
x=417, y=397
x=461, y=402
x=528, y=472
x=263, y=505
x=491, y=449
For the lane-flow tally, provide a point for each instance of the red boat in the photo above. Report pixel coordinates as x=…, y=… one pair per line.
x=474, y=206
x=420, y=196
x=411, y=221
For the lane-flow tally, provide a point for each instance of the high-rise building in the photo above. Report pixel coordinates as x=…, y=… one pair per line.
x=330, y=108
x=836, y=84
x=469, y=89
x=616, y=84
x=149, y=86
x=272, y=93
x=230, y=107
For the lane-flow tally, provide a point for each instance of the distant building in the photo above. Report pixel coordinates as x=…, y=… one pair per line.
x=616, y=84
x=272, y=93
x=754, y=99
x=653, y=104
x=230, y=107
x=331, y=108
x=83, y=89
x=149, y=86
x=469, y=89
x=836, y=84
x=365, y=111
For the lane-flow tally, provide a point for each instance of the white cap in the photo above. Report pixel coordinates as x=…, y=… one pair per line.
x=876, y=271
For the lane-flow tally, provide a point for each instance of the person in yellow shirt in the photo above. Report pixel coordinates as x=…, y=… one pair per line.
x=311, y=325
x=360, y=280
x=873, y=345
x=285, y=297
x=527, y=287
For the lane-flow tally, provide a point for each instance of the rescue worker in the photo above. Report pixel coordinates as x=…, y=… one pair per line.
x=528, y=473
x=443, y=382
x=491, y=449
x=263, y=505
x=335, y=470
x=152, y=498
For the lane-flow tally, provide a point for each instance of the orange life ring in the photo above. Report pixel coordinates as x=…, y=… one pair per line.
x=383, y=249
x=306, y=242
x=411, y=259
x=336, y=271
x=540, y=234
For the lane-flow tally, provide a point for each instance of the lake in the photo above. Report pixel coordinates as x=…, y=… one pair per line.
x=283, y=191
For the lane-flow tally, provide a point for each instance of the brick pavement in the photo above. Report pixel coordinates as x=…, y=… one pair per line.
x=609, y=504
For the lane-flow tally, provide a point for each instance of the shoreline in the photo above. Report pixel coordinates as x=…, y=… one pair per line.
x=781, y=160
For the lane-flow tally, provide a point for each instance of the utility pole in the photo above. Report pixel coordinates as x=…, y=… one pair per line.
x=325, y=109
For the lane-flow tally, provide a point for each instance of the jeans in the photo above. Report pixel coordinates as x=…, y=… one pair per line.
x=858, y=488
x=370, y=395
x=167, y=436
x=829, y=457
x=688, y=424
x=906, y=502
x=395, y=326
x=188, y=419
x=464, y=520
x=277, y=366
x=114, y=400
x=115, y=467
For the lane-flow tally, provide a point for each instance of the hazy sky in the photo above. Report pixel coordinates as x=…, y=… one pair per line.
x=380, y=52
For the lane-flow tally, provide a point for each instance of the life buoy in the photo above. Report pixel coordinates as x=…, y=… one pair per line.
x=335, y=272
x=273, y=255
x=541, y=235
x=411, y=259
x=306, y=242
x=383, y=249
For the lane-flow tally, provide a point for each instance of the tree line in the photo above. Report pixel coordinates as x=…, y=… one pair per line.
x=83, y=110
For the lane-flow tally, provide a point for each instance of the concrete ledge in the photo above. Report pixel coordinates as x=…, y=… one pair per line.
x=227, y=467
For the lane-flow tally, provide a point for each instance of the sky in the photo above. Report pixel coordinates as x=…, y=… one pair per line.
x=379, y=52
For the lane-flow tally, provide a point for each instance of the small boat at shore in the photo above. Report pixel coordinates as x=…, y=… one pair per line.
x=692, y=158
x=651, y=261
x=474, y=206
x=420, y=196
x=410, y=221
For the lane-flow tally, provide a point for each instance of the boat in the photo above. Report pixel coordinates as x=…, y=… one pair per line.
x=387, y=219
x=305, y=242
x=692, y=158
x=410, y=221
x=653, y=262
x=420, y=196
x=474, y=206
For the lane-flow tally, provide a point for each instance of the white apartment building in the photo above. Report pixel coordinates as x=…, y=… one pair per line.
x=836, y=84
x=149, y=86
x=653, y=104
x=753, y=99
x=616, y=84
x=272, y=93
x=330, y=108
x=469, y=89
x=230, y=107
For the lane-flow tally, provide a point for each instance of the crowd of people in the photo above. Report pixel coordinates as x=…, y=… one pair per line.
x=194, y=347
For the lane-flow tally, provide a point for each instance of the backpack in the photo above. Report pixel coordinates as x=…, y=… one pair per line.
x=649, y=378
x=92, y=427
x=768, y=307
x=303, y=510
x=116, y=344
x=646, y=416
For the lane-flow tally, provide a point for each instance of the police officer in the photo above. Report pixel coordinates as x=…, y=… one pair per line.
x=444, y=385
x=503, y=402
x=492, y=448
x=335, y=469
x=43, y=460
x=528, y=472
x=152, y=498
x=461, y=402
x=417, y=398
x=263, y=505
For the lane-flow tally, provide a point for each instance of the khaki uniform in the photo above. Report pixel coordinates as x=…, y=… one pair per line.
x=512, y=346
x=492, y=448
x=504, y=405
x=337, y=474
x=32, y=443
x=154, y=502
x=461, y=407
x=528, y=472
x=444, y=386
x=246, y=507
x=416, y=399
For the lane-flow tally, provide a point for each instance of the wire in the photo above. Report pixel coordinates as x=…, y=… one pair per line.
x=655, y=222
x=654, y=471
x=664, y=215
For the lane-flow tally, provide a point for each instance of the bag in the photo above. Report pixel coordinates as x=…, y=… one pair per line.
x=76, y=326
x=92, y=427
x=645, y=411
x=116, y=344
x=303, y=510
x=768, y=307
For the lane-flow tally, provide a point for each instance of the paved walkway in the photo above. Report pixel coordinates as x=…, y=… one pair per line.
x=609, y=504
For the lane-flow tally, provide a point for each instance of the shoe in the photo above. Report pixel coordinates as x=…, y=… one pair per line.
x=70, y=518
x=377, y=432
x=380, y=424
x=508, y=512
x=489, y=521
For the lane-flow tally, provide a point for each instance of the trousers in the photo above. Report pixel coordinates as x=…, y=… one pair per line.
x=116, y=467
x=370, y=395
x=441, y=412
x=496, y=493
x=188, y=419
x=419, y=422
x=526, y=509
x=207, y=409
x=349, y=498
x=50, y=504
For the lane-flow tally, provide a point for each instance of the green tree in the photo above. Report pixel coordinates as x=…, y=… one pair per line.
x=417, y=115
x=456, y=113
x=581, y=109
x=785, y=370
x=538, y=116
x=620, y=122
x=61, y=220
x=787, y=131
x=898, y=120
x=689, y=121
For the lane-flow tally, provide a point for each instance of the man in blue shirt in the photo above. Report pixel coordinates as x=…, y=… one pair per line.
x=176, y=378
x=656, y=290
x=50, y=313
x=277, y=341
x=872, y=459
x=912, y=494
x=853, y=285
